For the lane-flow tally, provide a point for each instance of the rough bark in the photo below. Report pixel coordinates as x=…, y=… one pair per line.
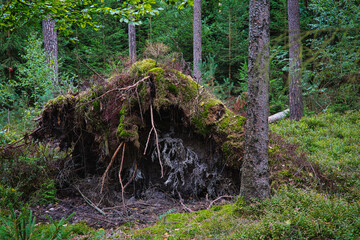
x=132, y=42
x=50, y=46
x=197, y=39
x=295, y=92
x=255, y=170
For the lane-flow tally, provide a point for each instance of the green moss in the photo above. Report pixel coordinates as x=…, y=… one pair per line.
x=173, y=89
x=58, y=102
x=96, y=106
x=191, y=89
x=227, y=149
x=126, y=129
x=230, y=123
x=204, y=224
x=142, y=67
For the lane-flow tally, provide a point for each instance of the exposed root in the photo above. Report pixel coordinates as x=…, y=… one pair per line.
x=148, y=139
x=26, y=138
x=108, y=167
x=117, y=89
x=121, y=183
x=157, y=140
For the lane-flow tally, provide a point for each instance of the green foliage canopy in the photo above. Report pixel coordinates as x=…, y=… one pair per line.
x=16, y=13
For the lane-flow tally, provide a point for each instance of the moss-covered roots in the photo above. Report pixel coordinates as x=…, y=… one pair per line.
x=200, y=140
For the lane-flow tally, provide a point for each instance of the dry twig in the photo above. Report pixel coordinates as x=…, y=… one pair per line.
x=90, y=202
x=117, y=89
x=182, y=204
x=217, y=199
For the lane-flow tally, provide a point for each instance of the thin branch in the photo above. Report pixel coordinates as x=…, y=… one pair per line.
x=217, y=199
x=182, y=204
x=90, y=202
x=87, y=65
x=108, y=167
x=117, y=89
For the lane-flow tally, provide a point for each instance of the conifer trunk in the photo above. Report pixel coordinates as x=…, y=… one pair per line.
x=50, y=46
x=255, y=170
x=197, y=39
x=132, y=42
x=295, y=92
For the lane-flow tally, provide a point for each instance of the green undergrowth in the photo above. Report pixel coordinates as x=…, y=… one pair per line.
x=290, y=214
x=331, y=140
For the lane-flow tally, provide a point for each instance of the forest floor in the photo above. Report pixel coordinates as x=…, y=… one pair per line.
x=139, y=212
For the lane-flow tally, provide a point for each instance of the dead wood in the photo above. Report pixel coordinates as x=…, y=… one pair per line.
x=278, y=116
x=88, y=201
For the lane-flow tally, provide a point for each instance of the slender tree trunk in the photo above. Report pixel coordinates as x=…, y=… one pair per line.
x=229, y=42
x=50, y=46
x=9, y=54
x=77, y=54
x=255, y=170
x=197, y=39
x=132, y=42
x=295, y=92
x=104, y=43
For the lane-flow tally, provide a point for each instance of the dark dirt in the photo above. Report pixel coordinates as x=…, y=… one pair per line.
x=140, y=212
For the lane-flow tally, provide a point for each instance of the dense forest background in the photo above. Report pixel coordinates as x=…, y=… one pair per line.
x=330, y=40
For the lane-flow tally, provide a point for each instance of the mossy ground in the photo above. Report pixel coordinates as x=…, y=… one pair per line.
x=289, y=214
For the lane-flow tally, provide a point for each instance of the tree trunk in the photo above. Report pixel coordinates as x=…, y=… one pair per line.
x=132, y=42
x=295, y=93
x=255, y=170
x=50, y=46
x=197, y=39
x=229, y=22
x=9, y=55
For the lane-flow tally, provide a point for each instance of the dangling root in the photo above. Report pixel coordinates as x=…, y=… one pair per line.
x=157, y=140
x=121, y=183
x=108, y=167
x=148, y=139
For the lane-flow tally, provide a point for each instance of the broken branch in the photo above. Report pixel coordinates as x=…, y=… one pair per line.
x=90, y=202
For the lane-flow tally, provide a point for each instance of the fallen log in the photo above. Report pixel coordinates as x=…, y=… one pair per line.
x=278, y=116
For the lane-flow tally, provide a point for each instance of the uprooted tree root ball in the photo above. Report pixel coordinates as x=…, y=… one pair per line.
x=151, y=127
